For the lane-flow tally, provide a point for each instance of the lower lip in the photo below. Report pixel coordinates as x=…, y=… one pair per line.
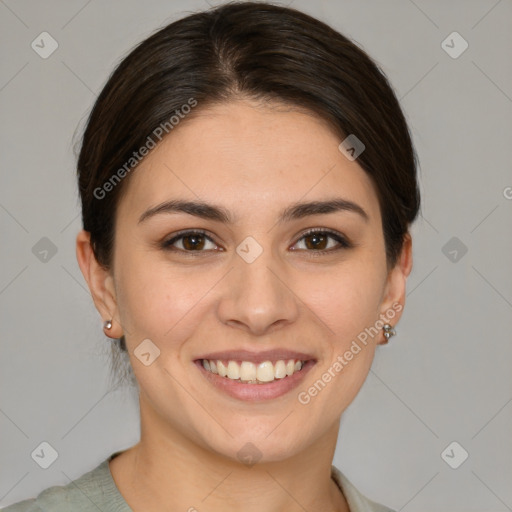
x=256, y=392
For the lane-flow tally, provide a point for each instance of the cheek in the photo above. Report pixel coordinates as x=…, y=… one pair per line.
x=346, y=299
x=159, y=302
x=153, y=302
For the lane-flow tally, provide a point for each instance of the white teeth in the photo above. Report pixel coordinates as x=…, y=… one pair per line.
x=223, y=371
x=265, y=372
x=249, y=372
x=280, y=370
x=233, y=370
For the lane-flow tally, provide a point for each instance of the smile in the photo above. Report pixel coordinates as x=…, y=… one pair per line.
x=254, y=382
x=251, y=373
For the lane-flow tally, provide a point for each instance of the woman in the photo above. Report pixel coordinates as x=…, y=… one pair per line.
x=248, y=182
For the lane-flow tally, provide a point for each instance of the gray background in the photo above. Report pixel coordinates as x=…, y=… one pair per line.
x=446, y=375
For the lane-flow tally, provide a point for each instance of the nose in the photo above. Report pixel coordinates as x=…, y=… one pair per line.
x=257, y=297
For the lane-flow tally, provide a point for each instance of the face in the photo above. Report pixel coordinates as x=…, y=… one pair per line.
x=270, y=282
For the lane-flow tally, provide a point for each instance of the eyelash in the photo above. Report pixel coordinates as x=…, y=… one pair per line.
x=344, y=243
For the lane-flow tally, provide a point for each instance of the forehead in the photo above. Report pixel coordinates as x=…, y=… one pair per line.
x=248, y=157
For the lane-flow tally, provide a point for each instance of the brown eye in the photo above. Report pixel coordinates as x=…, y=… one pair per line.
x=191, y=241
x=317, y=241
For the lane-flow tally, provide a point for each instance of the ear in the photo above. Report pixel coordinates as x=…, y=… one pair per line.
x=393, y=300
x=100, y=282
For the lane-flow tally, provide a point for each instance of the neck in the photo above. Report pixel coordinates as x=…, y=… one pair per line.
x=167, y=470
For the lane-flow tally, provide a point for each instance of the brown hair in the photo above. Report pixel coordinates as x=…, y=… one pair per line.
x=253, y=50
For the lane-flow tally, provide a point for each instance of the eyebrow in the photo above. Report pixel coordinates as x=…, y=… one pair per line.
x=217, y=213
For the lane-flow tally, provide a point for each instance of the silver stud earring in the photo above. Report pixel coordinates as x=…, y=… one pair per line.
x=388, y=331
x=107, y=324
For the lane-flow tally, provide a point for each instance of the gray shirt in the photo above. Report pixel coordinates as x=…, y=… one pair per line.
x=96, y=490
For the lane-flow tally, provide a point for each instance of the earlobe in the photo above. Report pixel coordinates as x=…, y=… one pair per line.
x=100, y=282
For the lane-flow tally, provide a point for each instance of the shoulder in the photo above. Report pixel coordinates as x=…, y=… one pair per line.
x=92, y=491
x=357, y=502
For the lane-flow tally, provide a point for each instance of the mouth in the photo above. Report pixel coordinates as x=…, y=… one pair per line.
x=255, y=377
x=247, y=372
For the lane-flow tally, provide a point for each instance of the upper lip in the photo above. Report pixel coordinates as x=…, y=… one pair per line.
x=257, y=357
